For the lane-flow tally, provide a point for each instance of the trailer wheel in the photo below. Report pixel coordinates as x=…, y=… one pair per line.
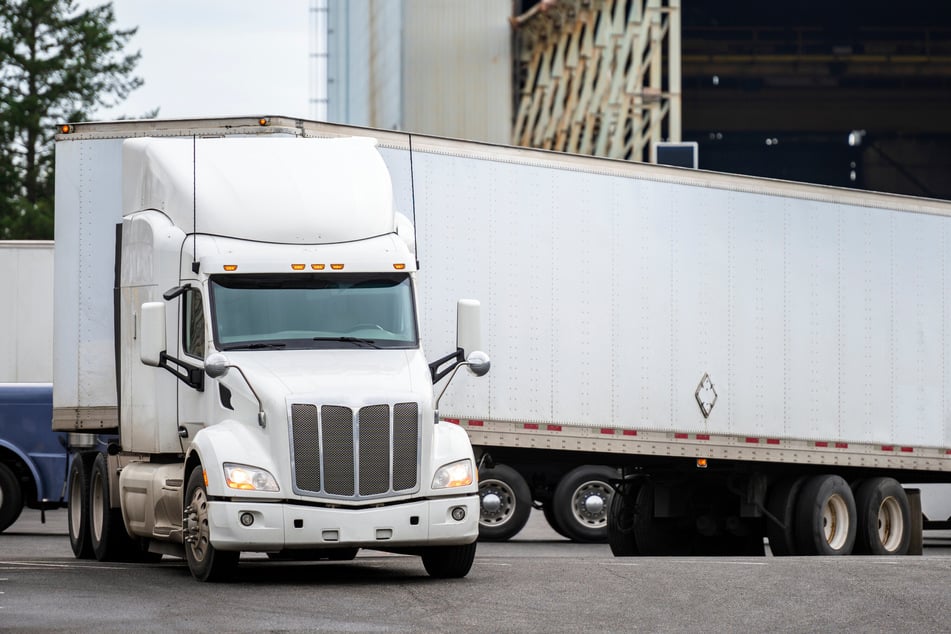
x=449, y=562
x=621, y=521
x=884, y=518
x=505, y=503
x=548, y=510
x=658, y=536
x=825, y=517
x=77, y=514
x=205, y=562
x=781, y=504
x=581, y=503
x=11, y=497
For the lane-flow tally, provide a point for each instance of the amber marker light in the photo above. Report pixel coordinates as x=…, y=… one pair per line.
x=231, y=267
x=65, y=128
x=262, y=121
x=337, y=267
x=701, y=463
x=318, y=267
x=298, y=267
x=399, y=266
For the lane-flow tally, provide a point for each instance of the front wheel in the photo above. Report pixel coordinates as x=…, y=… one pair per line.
x=205, y=562
x=449, y=562
x=505, y=503
x=581, y=502
x=11, y=497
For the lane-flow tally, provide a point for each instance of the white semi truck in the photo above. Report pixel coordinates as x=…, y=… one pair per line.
x=238, y=303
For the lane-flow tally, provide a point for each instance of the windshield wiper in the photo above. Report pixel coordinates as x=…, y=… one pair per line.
x=254, y=346
x=368, y=342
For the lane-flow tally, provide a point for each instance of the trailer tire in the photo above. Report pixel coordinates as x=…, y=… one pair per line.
x=781, y=504
x=449, y=562
x=825, y=517
x=621, y=521
x=77, y=512
x=884, y=518
x=658, y=536
x=505, y=514
x=581, y=502
x=205, y=562
x=548, y=511
x=11, y=497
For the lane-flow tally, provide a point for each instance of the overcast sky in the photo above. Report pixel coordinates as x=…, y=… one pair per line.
x=217, y=57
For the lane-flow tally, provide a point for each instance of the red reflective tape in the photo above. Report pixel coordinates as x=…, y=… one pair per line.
x=772, y=441
x=841, y=445
x=703, y=436
x=908, y=449
x=607, y=430
x=680, y=436
x=753, y=441
x=948, y=452
x=821, y=443
x=476, y=423
x=554, y=428
x=454, y=421
x=633, y=432
x=531, y=425
x=888, y=448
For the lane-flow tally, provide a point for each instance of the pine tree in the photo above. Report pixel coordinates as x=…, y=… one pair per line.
x=57, y=64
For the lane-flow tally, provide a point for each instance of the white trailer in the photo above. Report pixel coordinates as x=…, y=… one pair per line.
x=238, y=304
x=756, y=358
x=26, y=322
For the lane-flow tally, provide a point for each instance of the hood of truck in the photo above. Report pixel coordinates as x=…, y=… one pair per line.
x=359, y=373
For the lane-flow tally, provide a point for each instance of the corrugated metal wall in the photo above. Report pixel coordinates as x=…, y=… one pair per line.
x=431, y=66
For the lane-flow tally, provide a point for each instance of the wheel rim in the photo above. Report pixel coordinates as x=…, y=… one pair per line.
x=589, y=504
x=97, y=505
x=890, y=526
x=199, y=543
x=835, y=521
x=506, y=505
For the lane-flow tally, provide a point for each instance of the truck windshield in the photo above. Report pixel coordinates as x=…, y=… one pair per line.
x=274, y=311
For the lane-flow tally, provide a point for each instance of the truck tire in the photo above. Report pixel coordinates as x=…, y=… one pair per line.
x=11, y=497
x=505, y=503
x=205, y=562
x=107, y=534
x=658, y=536
x=825, y=517
x=77, y=513
x=621, y=521
x=781, y=504
x=884, y=518
x=581, y=501
x=548, y=511
x=449, y=562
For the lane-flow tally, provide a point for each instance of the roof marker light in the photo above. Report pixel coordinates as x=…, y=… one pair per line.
x=231, y=267
x=263, y=121
x=298, y=267
x=337, y=267
x=318, y=267
x=399, y=266
x=65, y=128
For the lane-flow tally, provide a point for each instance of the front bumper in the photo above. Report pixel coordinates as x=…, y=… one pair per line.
x=287, y=526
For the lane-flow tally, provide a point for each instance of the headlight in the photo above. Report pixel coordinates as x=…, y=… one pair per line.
x=454, y=474
x=240, y=476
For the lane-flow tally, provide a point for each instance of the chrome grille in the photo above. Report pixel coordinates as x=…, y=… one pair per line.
x=369, y=452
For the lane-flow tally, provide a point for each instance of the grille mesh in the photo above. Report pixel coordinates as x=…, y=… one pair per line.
x=370, y=452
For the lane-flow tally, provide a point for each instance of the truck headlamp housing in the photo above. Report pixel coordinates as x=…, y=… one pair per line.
x=454, y=474
x=246, y=478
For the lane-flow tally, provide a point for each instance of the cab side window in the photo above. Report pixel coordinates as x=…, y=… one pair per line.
x=193, y=324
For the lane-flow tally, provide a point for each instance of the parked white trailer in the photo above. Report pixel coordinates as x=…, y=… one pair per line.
x=239, y=303
x=757, y=357
x=26, y=322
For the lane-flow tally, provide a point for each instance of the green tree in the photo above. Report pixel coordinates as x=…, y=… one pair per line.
x=57, y=64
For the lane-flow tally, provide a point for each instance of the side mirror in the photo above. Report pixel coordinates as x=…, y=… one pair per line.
x=478, y=363
x=468, y=326
x=152, y=333
x=216, y=365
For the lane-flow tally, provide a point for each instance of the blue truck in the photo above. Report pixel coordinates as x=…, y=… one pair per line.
x=33, y=458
